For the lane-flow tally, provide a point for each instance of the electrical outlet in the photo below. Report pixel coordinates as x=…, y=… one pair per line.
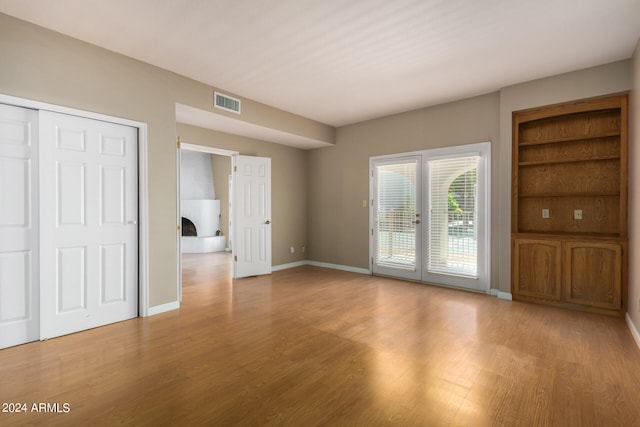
x=364, y=203
x=304, y=249
x=577, y=214
x=545, y=213
x=292, y=250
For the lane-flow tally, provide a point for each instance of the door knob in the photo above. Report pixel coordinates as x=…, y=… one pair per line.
x=417, y=221
x=267, y=222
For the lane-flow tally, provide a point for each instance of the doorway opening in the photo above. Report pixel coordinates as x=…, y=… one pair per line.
x=205, y=209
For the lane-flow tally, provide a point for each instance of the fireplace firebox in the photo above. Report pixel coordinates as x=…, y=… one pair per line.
x=188, y=227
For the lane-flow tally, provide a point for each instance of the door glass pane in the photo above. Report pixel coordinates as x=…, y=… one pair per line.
x=453, y=216
x=396, y=215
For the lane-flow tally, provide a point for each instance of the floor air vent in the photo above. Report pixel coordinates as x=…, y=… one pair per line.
x=226, y=102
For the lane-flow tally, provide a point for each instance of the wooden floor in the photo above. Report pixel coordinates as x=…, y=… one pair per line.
x=316, y=347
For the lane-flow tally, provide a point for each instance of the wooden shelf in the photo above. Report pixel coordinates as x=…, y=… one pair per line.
x=567, y=235
x=551, y=162
x=568, y=139
x=549, y=195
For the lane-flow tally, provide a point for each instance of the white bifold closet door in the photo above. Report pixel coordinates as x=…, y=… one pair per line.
x=19, y=288
x=88, y=223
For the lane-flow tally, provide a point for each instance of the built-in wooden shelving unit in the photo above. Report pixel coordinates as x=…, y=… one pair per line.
x=569, y=204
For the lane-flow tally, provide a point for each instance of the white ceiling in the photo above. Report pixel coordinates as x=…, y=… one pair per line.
x=344, y=61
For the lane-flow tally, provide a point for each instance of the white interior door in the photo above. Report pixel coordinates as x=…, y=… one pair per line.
x=252, y=216
x=19, y=288
x=89, y=231
x=396, y=221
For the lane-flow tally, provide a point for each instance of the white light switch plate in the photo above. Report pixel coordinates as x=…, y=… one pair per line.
x=577, y=214
x=545, y=213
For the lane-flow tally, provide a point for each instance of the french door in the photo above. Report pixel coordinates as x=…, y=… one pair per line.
x=430, y=216
x=396, y=213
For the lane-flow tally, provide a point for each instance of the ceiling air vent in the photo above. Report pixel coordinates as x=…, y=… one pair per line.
x=226, y=102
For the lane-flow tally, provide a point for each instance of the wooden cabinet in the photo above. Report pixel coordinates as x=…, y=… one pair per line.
x=569, y=204
x=544, y=257
x=569, y=271
x=593, y=274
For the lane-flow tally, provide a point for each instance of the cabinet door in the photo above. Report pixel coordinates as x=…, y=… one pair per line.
x=593, y=274
x=537, y=268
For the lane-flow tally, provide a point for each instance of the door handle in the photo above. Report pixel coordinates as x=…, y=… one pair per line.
x=417, y=221
x=132, y=222
x=267, y=222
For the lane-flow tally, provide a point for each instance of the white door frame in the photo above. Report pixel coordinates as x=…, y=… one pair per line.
x=200, y=149
x=143, y=196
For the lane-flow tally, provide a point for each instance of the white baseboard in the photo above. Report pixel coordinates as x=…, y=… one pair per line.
x=289, y=265
x=632, y=328
x=163, y=308
x=321, y=264
x=501, y=295
x=340, y=267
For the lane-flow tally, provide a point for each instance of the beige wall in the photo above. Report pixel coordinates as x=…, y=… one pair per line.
x=634, y=193
x=288, y=186
x=42, y=65
x=339, y=180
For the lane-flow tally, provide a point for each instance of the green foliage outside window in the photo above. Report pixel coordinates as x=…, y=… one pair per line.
x=454, y=207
